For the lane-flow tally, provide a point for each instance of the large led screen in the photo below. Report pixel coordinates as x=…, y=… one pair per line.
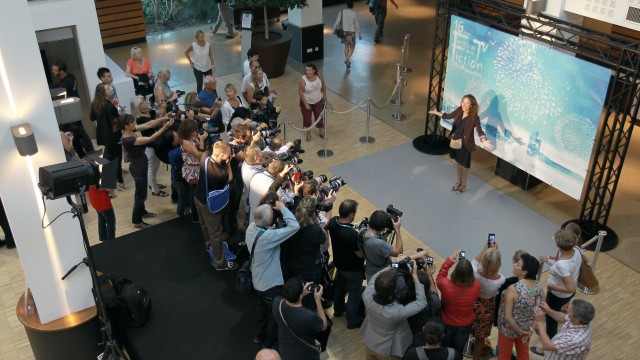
x=539, y=107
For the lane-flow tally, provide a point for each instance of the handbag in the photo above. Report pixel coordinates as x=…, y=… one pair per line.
x=339, y=31
x=216, y=199
x=244, y=281
x=455, y=143
x=587, y=277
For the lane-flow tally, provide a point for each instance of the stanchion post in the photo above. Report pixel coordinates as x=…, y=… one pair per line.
x=400, y=82
x=406, y=69
x=582, y=287
x=325, y=153
x=398, y=116
x=368, y=139
x=284, y=131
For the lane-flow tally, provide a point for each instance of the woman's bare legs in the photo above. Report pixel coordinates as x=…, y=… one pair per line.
x=465, y=174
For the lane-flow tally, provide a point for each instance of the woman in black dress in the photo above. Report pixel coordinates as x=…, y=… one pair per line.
x=465, y=120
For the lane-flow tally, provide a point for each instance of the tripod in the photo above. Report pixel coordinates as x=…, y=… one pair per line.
x=111, y=348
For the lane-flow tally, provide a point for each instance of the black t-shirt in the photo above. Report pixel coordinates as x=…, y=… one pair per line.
x=105, y=135
x=433, y=354
x=344, y=241
x=301, y=252
x=69, y=83
x=304, y=323
x=218, y=178
x=138, y=159
x=145, y=119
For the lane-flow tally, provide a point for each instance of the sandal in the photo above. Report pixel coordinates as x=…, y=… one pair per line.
x=161, y=186
x=160, y=193
x=456, y=186
x=149, y=215
x=461, y=189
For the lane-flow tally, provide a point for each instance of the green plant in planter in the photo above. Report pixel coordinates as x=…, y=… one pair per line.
x=264, y=4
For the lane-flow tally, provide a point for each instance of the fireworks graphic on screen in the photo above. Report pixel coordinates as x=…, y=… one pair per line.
x=476, y=87
x=520, y=78
x=574, y=135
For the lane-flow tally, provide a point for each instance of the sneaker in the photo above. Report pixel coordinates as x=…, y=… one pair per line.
x=229, y=266
x=211, y=259
x=149, y=215
x=215, y=27
x=230, y=36
x=142, y=225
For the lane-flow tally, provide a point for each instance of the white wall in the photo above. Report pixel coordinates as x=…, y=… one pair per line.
x=309, y=16
x=45, y=254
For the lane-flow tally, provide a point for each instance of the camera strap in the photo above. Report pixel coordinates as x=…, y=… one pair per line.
x=316, y=346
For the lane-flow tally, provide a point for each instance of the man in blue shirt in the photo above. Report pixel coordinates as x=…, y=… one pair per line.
x=265, y=265
x=211, y=101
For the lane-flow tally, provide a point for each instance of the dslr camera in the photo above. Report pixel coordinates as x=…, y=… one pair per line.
x=393, y=212
x=180, y=92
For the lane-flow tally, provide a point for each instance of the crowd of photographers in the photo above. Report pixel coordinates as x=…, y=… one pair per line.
x=235, y=177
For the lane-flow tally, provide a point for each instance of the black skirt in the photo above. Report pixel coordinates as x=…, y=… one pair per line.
x=462, y=156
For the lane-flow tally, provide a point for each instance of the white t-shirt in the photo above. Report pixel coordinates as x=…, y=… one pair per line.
x=259, y=186
x=563, y=268
x=488, y=287
x=200, y=56
x=246, y=69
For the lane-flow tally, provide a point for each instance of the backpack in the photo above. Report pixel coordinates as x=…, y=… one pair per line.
x=128, y=303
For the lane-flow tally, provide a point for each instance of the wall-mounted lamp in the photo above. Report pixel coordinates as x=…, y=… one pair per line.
x=25, y=140
x=535, y=7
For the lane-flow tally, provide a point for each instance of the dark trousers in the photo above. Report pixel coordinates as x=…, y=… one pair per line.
x=4, y=224
x=380, y=14
x=113, y=152
x=106, y=224
x=456, y=337
x=555, y=303
x=139, y=198
x=185, y=198
x=200, y=78
x=267, y=326
x=348, y=282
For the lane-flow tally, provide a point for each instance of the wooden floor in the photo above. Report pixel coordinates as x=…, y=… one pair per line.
x=616, y=328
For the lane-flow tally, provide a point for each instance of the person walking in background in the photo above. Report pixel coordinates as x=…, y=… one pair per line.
x=348, y=19
x=380, y=14
x=465, y=120
x=223, y=16
x=313, y=96
x=200, y=56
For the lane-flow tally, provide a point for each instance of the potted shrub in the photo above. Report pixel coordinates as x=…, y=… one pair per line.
x=272, y=44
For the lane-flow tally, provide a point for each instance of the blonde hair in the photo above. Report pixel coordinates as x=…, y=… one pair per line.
x=565, y=239
x=491, y=260
x=163, y=74
x=518, y=255
x=220, y=147
x=198, y=33
x=135, y=51
x=135, y=106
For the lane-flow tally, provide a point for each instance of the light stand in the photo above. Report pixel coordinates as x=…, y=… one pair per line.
x=111, y=348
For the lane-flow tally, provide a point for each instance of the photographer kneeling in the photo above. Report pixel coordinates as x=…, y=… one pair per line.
x=385, y=330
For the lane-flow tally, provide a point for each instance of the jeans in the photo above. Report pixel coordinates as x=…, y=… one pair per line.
x=106, y=224
x=200, y=78
x=456, y=337
x=113, y=152
x=139, y=198
x=351, y=282
x=555, y=303
x=152, y=169
x=267, y=326
x=182, y=188
x=380, y=14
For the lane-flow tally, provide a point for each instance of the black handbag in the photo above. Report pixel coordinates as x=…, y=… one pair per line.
x=339, y=31
x=244, y=282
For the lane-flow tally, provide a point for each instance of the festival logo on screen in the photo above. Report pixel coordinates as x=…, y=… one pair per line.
x=539, y=107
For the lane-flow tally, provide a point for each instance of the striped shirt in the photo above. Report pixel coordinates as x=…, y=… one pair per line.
x=573, y=342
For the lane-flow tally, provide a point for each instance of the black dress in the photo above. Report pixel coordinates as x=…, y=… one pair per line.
x=462, y=155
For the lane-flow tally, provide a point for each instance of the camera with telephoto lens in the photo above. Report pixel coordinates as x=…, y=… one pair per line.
x=290, y=158
x=394, y=213
x=321, y=179
x=363, y=224
x=203, y=127
x=180, y=92
x=270, y=133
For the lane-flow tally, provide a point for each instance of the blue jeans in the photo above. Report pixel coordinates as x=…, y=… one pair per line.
x=456, y=337
x=380, y=14
x=351, y=282
x=139, y=198
x=106, y=224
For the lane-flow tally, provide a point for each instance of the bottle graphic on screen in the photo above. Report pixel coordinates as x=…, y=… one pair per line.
x=533, y=148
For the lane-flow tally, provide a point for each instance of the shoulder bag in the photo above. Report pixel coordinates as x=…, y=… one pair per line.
x=244, y=282
x=587, y=277
x=339, y=31
x=315, y=346
x=216, y=199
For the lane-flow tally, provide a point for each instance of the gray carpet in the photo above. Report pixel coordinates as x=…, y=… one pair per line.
x=418, y=184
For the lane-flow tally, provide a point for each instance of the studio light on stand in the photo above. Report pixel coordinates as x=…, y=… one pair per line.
x=24, y=139
x=74, y=178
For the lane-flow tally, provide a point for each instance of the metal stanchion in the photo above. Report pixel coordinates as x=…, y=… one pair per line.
x=325, y=153
x=406, y=69
x=400, y=81
x=598, y=238
x=398, y=116
x=284, y=131
x=368, y=139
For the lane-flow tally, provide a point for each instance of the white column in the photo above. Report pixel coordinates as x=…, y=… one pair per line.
x=45, y=254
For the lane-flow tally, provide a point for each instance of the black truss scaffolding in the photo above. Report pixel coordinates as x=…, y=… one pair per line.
x=620, y=55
